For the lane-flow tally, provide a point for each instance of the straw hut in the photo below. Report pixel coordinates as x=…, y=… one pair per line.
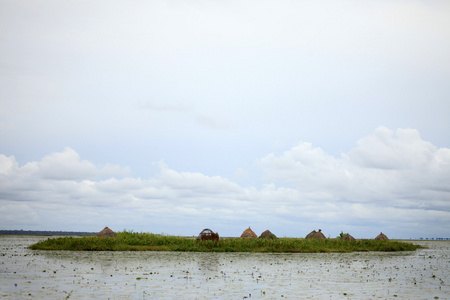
x=347, y=237
x=106, y=232
x=208, y=235
x=382, y=236
x=248, y=233
x=267, y=235
x=315, y=235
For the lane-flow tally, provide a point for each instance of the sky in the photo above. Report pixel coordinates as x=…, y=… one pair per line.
x=175, y=116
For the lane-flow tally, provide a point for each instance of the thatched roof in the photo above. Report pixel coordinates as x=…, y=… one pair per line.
x=268, y=234
x=248, y=233
x=106, y=232
x=347, y=237
x=315, y=235
x=381, y=236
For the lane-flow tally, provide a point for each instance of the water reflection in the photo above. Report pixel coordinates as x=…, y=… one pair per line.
x=155, y=275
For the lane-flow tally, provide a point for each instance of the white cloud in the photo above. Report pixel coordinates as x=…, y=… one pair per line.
x=383, y=150
x=195, y=182
x=210, y=88
x=18, y=213
x=306, y=166
x=7, y=164
x=307, y=189
x=382, y=168
x=67, y=165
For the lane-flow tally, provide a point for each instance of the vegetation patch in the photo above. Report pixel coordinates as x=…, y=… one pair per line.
x=133, y=241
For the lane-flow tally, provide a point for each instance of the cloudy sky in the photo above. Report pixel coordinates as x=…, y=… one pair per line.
x=174, y=116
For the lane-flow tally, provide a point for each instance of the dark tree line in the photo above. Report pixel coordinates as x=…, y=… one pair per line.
x=44, y=232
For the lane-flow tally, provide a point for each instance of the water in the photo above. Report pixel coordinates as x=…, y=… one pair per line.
x=30, y=274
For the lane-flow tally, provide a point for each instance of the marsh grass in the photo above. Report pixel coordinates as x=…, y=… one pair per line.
x=132, y=241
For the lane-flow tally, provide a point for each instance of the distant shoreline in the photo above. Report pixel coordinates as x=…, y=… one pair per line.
x=43, y=232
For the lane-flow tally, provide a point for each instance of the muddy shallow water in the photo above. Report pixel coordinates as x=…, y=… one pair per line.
x=30, y=274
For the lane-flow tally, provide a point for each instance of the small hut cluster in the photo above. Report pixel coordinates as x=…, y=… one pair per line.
x=106, y=232
x=249, y=233
x=348, y=237
x=208, y=235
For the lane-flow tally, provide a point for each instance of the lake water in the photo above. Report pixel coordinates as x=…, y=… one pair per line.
x=30, y=274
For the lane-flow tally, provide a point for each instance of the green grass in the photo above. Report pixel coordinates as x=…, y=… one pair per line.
x=132, y=241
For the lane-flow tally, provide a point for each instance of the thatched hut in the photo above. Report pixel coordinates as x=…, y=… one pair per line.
x=267, y=235
x=208, y=235
x=382, y=236
x=347, y=237
x=248, y=233
x=106, y=232
x=315, y=235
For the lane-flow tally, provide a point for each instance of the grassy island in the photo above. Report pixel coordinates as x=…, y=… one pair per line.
x=132, y=241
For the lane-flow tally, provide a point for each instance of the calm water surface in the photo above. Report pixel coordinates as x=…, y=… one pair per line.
x=29, y=274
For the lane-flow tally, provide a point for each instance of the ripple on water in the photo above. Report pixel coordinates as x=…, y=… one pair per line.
x=25, y=273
